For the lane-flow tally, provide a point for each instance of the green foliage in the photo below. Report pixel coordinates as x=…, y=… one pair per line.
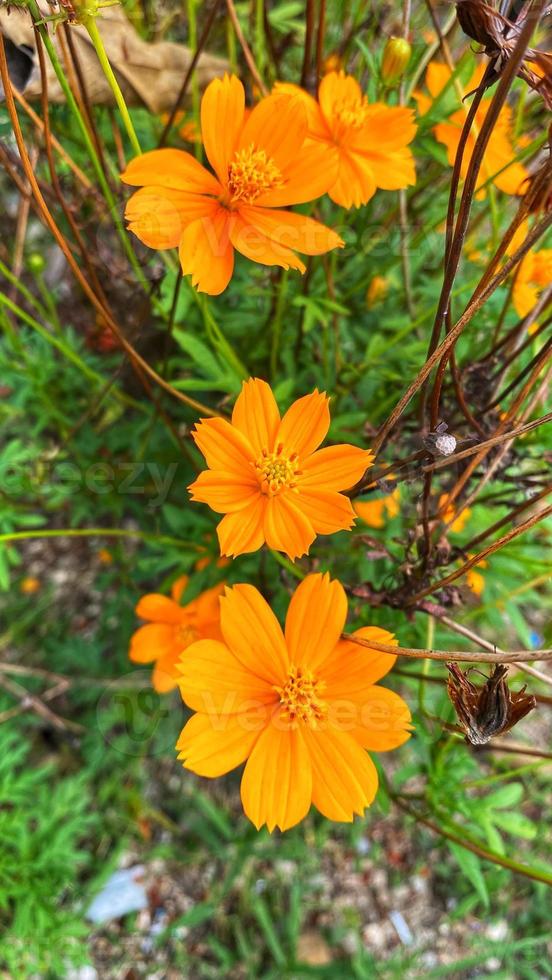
x=44, y=821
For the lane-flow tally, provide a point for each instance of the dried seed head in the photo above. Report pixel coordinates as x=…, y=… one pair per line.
x=490, y=710
x=440, y=442
x=482, y=23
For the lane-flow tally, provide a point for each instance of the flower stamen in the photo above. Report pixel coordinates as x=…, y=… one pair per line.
x=300, y=698
x=252, y=173
x=277, y=472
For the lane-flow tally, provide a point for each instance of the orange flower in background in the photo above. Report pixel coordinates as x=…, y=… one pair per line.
x=375, y=512
x=498, y=162
x=531, y=276
x=370, y=141
x=171, y=628
x=301, y=708
x=447, y=512
x=474, y=579
x=261, y=165
x=267, y=475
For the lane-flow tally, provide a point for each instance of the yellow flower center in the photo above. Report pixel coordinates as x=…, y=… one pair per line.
x=300, y=698
x=277, y=472
x=352, y=112
x=252, y=173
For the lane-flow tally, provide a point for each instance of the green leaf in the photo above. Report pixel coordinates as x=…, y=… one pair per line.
x=471, y=866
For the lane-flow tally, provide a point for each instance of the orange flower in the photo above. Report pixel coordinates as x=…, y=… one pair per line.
x=171, y=628
x=373, y=512
x=498, y=161
x=29, y=585
x=300, y=708
x=475, y=580
x=261, y=165
x=532, y=275
x=447, y=512
x=268, y=479
x=369, y=141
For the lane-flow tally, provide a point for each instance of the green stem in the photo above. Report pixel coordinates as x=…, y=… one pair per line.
x=277, y=325
x=71, y=102
x=192, y=42
x=99, y=532
x=216, y=336
x=89, y=23
x=284, y=562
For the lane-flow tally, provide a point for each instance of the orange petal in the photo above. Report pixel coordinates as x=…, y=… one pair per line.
x=351, y=666
x=355, y=184
x=371, y=511
x=159, y=609
x=223, y=492
x=386, y=129
x=277, y=125
x=344, y=778
x=256, y=246
x=214, y=746
x=206, y=252
x=384, y=720
x=151, y=641
x=222, y=116
x=335, y=89
x=171, y=169
x=309, y=175
x=206, y=608
x=291, y=230
x=391, y=171
x=305, y=424
x=179, y=587
x=256, y=414
x=276, y=783
x=327, y=510
x=437, y=76
x=165, y=675
x=253, y=633
x=317, y=125
x=315, y=620
x=242, y=532
x=224, y=447
x=214, y=682
x=335, y=467
x=286, y=528
x=158, y=216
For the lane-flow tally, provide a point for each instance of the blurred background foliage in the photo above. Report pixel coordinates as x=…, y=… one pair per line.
x=100, y=461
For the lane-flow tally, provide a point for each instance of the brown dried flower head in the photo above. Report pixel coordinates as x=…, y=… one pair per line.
x=490, y=709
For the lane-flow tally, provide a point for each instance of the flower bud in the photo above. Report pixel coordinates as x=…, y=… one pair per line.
x=36, y=263
x=396, y=56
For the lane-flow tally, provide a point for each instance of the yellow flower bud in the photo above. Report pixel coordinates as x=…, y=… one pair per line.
x=396, y=56
x=377, y=291
x=29, y=585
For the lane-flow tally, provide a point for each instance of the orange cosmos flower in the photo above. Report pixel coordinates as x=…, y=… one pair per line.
x=447, y=512
x=475, y=580
x=171, y=628
x=498, y=161
x=261, y=165
x=531, y=276
x=268, y=479
x=370, y=141
x=301, y=708
x=374, y=512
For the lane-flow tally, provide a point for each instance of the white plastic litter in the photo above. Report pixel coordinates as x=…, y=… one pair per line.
x=121, y=894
